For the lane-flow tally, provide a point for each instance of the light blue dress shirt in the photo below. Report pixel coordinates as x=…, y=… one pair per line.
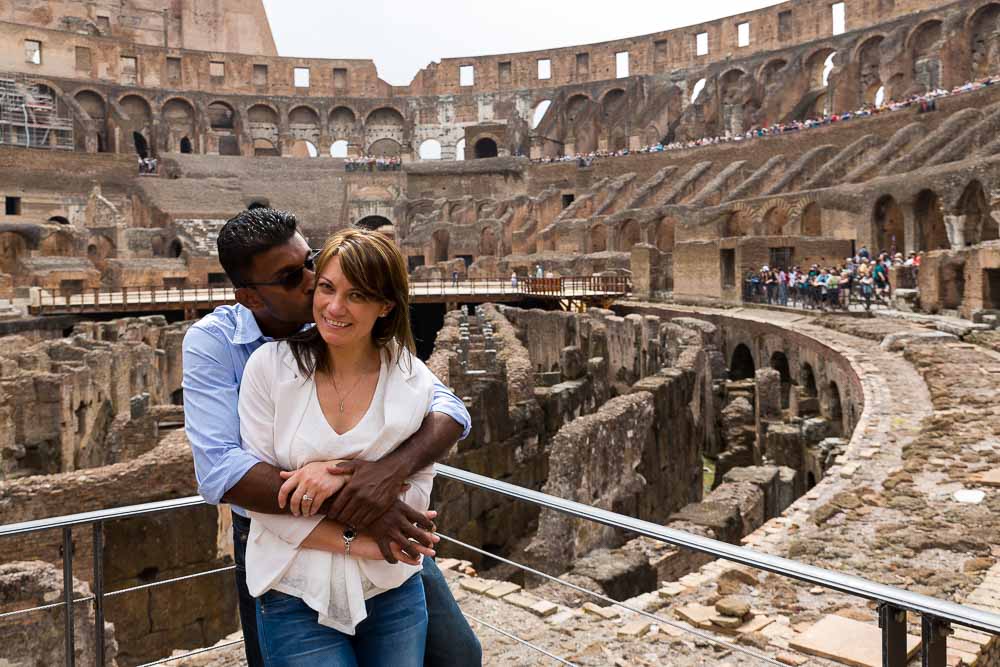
x=216, y=350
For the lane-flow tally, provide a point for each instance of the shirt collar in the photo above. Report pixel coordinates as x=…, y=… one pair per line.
x=247, y=330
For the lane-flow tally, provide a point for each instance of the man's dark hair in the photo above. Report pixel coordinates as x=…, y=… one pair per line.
x=248, y=234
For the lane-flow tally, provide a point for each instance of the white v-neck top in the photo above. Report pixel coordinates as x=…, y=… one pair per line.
x=282, y=423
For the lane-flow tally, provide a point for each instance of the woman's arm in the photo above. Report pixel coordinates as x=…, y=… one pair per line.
x=329, y=536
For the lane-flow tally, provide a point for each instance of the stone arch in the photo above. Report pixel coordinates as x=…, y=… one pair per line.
x=304, y=129
x=768, y=73
x=58, y=220
x=262, y=121
x=140, y=144
x=304, y=114
x=138, y=123
x=973, y=206
x=925, y=44
x=485, y=147
x=488, y=244
x=811, y=220
x=263, y=113
x=373, y=222
x=440, y=242
x=612, y=102
x=13, y=248
x=385, y=122
x=984, y=40
x=342, y=120
x=178, y=120
x=99, y=249
x=385, y=148
x=221, y=116
x=575, y=105
x=779, y=362
x=698, y=89
x=741, y=365
x=928, y=214
x=817, y=67
x=887, y=225
x=629, y=235
x=774, y=220
x=598, y=238
x=430, y=150
x=58, y=244
x=137, y=107
x=186, y=146
x=807, y=380
x=869, y=58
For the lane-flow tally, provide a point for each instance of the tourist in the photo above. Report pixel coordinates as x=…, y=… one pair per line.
x=782, y=287
x=513, y=279
x=324, y=594
x=454, y=278
x=272, y=268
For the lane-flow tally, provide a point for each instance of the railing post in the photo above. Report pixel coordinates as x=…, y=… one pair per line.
x=892, y=620
x=934, y=639
x=99, y=593
x=67, y=554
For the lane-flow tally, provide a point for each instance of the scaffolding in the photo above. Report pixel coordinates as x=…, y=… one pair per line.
x=32, y=115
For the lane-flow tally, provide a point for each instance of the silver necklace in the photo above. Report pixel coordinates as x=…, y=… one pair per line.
x=340, y=400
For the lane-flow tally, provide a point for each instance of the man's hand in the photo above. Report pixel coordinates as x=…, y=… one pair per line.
x=371, y=491
x=398, y=526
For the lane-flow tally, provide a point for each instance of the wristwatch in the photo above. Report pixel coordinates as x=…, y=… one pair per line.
x=349, y=535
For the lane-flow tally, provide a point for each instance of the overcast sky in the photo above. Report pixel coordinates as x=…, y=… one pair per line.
x=403, y=36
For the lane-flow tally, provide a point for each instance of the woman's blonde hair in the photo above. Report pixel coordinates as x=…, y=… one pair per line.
x=372, y=263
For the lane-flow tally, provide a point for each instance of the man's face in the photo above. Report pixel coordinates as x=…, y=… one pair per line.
x=290, y=302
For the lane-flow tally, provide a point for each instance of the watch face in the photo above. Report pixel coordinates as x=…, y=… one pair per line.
x=350, y=534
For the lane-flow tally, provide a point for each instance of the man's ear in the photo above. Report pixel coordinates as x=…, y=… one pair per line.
x=248, y=298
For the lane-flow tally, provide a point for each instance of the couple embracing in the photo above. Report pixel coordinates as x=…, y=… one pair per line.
x=308, y=411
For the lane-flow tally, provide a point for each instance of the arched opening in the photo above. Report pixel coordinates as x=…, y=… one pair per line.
x=770, y=73
x=385, y=148
x=385, y=123
x=979, y=224
x=779, y=362
x=926, y=45
x=539, y=112
x=741, y=366
x=628, y=236
x=99, y=249
x=888, y=225
x=58, y=244
x=178, y=120
x=613, y=103
x=176, y=248
x=812, y=222
x=264, y=147
x=58, y=220
x=460, y=150
x=775, y=220
x=185, y=145
x=221, y=116
x=598, y=238
x=832, y=409
x=339, y=149
x=141, y=147
x=984, y=34
x=699, y=86
x=372, y=222
x=869, y=57
x=807, y=380
x=485, y=148
x=304, y=148
x=430, y=150
x=931, y=233
x=440, y=240
x=342, y=120
x=819, y=66
x=574, y=106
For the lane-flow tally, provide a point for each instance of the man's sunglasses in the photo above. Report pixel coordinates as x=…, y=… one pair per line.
x=293, y=278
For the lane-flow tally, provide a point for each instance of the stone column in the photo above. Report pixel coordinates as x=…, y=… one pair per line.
x=767, y=399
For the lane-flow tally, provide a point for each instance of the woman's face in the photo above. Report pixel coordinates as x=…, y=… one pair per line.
x=344, y=316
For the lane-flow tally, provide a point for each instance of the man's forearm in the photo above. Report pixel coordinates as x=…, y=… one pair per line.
x=258, y=490
x=437, y=434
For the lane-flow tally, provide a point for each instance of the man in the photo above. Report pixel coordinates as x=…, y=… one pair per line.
x=271, y=266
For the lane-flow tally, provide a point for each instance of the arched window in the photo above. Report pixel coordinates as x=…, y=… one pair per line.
x=485, y=147
x=430, y=150
x=540, y=109
x=696, y=91
x=338, y=148
x=303, y=148
x=186, y=145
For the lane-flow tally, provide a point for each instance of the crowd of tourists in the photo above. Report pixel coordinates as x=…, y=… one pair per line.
x=148, y=165
x=922, y=103
x=368, y=163
x=862, y=279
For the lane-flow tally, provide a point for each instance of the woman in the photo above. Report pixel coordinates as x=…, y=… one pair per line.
x=325, y=596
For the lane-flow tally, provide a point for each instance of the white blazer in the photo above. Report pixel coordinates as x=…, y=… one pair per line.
x=275, y=425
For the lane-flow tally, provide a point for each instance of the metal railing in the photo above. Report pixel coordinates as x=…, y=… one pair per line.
x=202, y=297
x=937, y=616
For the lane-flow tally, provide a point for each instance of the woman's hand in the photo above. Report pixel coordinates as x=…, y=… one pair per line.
x=311, y=480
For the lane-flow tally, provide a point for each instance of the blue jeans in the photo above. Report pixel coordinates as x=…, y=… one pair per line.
x=394, y=633
x=450, y=640
x=247, y=606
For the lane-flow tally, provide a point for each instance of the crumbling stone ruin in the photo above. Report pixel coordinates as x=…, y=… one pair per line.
x=680, y=161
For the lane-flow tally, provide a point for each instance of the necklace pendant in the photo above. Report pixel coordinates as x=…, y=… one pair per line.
x=341, y=407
